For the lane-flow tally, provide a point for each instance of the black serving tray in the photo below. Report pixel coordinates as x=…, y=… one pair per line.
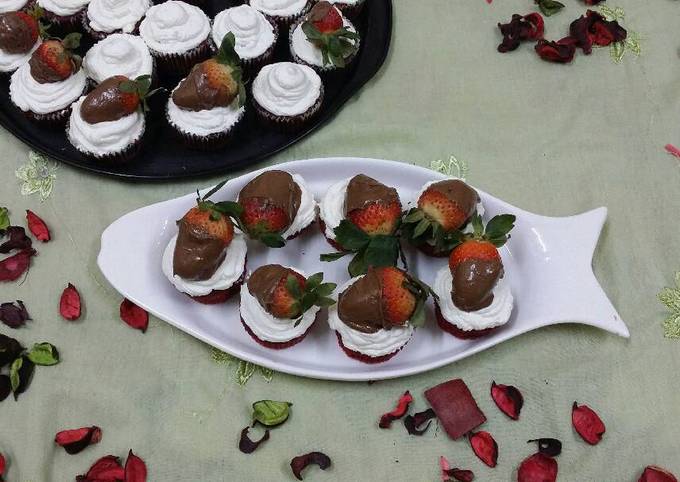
x=164, y=157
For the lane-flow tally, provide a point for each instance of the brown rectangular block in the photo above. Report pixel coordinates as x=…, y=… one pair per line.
x=455, y=407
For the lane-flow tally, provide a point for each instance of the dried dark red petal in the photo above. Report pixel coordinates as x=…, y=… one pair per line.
x=299, y=463
x=485, y=447
x=548, y=446
x=508, y=399
x=3, y=463
x=587, y=423
x=455, y=407
x=461, y=475
x=398, y=412
x=134, y=316
x=77, y=439
x=17, y=240
x=13, y=315
x=537, y=468
x=654, y=473
x=592, y=2
x=248, y=446
x=69, y=303
x=37, y=226
x=14, y=266
x=561, y=51
x=412, y=422
x=520, y=27
x=532, y=27
x=5, y=387
x=135, y=468
x=10, y=349
x=106, y=469
x=593, y=28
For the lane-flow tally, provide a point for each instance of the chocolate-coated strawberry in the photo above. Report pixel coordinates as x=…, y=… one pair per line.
x=399, y=297
x=285, y=293
x=19, y=32
x=264, y=221
x=54, y=60
x=377, y=218
x=324, y=27
x=115, y=98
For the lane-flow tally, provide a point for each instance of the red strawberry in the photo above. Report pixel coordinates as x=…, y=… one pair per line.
x=220, y=76
x=377, y=218
x=260, y=217
x=473, y=249
x=325, y=17
x=203, y=220
x=284, y=304
x=53, y=61
x=399, y=302
x=441, y=209
x=19, y=32
x=115, y=98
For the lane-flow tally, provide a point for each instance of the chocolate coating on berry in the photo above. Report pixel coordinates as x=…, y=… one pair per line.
x=197, y=254
x=360, y=305
x=458, y=192
x=196, y=92
x=102, y=104
x=276, y=187
x=473, y=283
x=263, y=283
x=363, y=190
x=16, y=36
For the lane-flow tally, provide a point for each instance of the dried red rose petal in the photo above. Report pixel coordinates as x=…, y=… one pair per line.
x=2, y=465
x=248, y=446
x=69, y=303
x=135, y=468
x=561, y=52
x=458, y=474
x=508, y=399
x=17, y=240
x=5, y=387
x=592, y=2
x=10, y=349
x=37, y=226
x=14, y=266
x=299, y=463
x=485, y=447
x=548, y=446
x=593, y=28
x=77, y=439
x=587, y=423
x=398, y=412
x=412, y=422
x=537, y=468
x=134, y=316
x=520, y=27
x=455, y=407
x=106, y=469
x=653, y=473
x=13, y=315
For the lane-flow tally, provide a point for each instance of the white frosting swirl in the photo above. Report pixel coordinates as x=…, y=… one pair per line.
x=174, y=27
x=382, y=342
x=279, y=8
x=12, y=5
x=496, y=314
x=224, y=278
x=332, y=206
x=269, y=328
x=103, y=138
x=254, y=34
x=10, y=62
x=111, y=15
x=301, y=46
x=63, y=8
x=30, y=95
x=306, y=213
x=286, y=89
x=118, y=54
x=207, y=121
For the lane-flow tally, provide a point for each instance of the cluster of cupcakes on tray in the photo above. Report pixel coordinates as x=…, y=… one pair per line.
x=205, y=64
x=377, y=311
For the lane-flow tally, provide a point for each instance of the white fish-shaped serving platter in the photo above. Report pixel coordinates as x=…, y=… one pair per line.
x=548, y=262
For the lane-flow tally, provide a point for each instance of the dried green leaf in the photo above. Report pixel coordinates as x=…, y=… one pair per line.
x=44, y=354
x=270, y=412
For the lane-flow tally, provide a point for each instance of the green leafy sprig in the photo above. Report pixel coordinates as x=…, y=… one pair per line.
x=497, y=229
x=419, y=229
x=315, y=293
x=335, y=46
x=271, y=413
x=21, y=369
x=139, y=86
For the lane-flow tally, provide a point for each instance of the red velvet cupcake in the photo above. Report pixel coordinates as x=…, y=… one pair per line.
x=279, y=305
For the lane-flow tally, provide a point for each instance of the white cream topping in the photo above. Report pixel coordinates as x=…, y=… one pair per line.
x=206, y=121
x=382, y=342
x=10, y=62
x=496, y=314
x=63, y=8
x=12, y=5
x=269, y=328
x=103, y=137
x=479, y=208
x=279, y=8
x=30, y=95
x=224, y=278
x=174, y=27
x=306, y=50
x=306, y=212
x=332, y=206
x=287, y=89
x=118, y=54
x=254, y=34
x=111, y=15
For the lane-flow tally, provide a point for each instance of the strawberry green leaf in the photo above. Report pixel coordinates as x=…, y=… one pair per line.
x=325, y=289
x=293, y=286
x=4, y=218
x=227, y=53
x=213, y=190
x=325, y=301
x=228, y=208
x=414, y=215
x=382, y=251
x=272, y=240
x=314, y=281
x=358, y=265
x=44, y=354
x=421, y=227
x=477, y=225
x=72, y=41
x=498, y=228
x=333, y=256
x=350, y=237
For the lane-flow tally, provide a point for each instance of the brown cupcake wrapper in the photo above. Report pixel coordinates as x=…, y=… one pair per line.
x=286, y=21
x=288, y=123
x=29, y=5
x=211, y=142
x=97, y=35
x=323, y=70
x=180, y=64
x=65, y=24
x=120, y=157
x=57, y=118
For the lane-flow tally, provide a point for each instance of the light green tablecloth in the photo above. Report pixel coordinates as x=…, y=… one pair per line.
x=551, y=139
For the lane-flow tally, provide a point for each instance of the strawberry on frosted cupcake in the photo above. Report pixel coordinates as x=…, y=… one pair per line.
x=473, y=295
x=279, y=304
x=207, y=258
x=377, y=313
x=444, y=209
x=277, y=206
x=19, y=37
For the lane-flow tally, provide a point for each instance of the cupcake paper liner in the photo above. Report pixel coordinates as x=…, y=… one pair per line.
x=57, y=118
x=179, y=64
x=287, y=123
x=97, y=35
x=286, y=21
x=64, y=24
x=120, y=157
